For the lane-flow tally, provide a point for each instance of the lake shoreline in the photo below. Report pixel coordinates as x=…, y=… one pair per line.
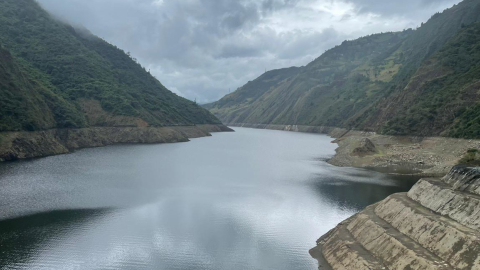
x=35, y=144
x=402, y=231
x=259, y=196
x=404, y=155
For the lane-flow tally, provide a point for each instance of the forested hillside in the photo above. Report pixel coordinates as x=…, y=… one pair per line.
x=53, y=75
x=416, y=82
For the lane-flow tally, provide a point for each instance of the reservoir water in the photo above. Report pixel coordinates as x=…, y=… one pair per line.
x=253, y=199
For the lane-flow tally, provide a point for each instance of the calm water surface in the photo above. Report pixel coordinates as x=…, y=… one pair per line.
x=253, y=199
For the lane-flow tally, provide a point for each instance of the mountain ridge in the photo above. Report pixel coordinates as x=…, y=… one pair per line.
x=357, y=85
x=62, y=89
x=64, y=68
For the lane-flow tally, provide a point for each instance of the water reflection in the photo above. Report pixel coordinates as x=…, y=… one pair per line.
x=254, y=199
x=358, y=194
x=21, y=237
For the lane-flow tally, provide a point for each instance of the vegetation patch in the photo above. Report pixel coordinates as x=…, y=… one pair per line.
x=472, y=157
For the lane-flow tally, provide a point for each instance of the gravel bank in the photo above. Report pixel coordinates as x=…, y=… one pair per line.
x=431, y=156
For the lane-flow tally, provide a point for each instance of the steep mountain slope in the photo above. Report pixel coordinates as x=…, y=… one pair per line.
x=440, y=97
x=239, y=102
x=344, y=75
x=420, y=82
x=429, y=58
x=54, y=75
x=27, y=102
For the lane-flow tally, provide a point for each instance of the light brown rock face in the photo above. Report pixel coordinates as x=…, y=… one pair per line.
x=21, y=145
x=436, y=225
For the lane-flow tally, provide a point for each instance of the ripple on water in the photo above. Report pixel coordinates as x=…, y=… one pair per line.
x=254, y=199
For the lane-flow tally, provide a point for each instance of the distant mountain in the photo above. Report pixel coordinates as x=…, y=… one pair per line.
x=238, y=104
x=417, y=82
x=53, y=75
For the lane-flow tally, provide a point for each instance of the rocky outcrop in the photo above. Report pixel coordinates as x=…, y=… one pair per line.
x=366, y=147
x=21, y=145
x=436, y=225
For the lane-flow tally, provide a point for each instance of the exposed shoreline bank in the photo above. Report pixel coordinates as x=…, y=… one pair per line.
x=25, y=145
x=428, y=156
x=433, y=226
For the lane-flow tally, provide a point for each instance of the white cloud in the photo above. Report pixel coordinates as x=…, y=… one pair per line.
x=202, y=48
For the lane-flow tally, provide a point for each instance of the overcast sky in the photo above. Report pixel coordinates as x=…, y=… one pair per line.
x=200, y=49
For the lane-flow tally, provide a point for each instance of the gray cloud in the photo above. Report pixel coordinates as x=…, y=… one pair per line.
x=410, y=8
x=202, y=48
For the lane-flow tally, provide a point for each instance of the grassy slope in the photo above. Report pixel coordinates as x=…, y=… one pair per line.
x=53, y=68
x=411, y=90
x=238, y=103
x=335, y=85
x=443, y=93
x=412, y=82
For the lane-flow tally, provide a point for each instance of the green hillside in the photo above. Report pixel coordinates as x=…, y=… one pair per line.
x=337, y=84
x=54, y=75
x=238, y=102
x=27, y=100
x=418, y=82
x=441, y=98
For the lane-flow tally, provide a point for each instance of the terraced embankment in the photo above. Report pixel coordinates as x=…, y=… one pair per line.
x=436, y=225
